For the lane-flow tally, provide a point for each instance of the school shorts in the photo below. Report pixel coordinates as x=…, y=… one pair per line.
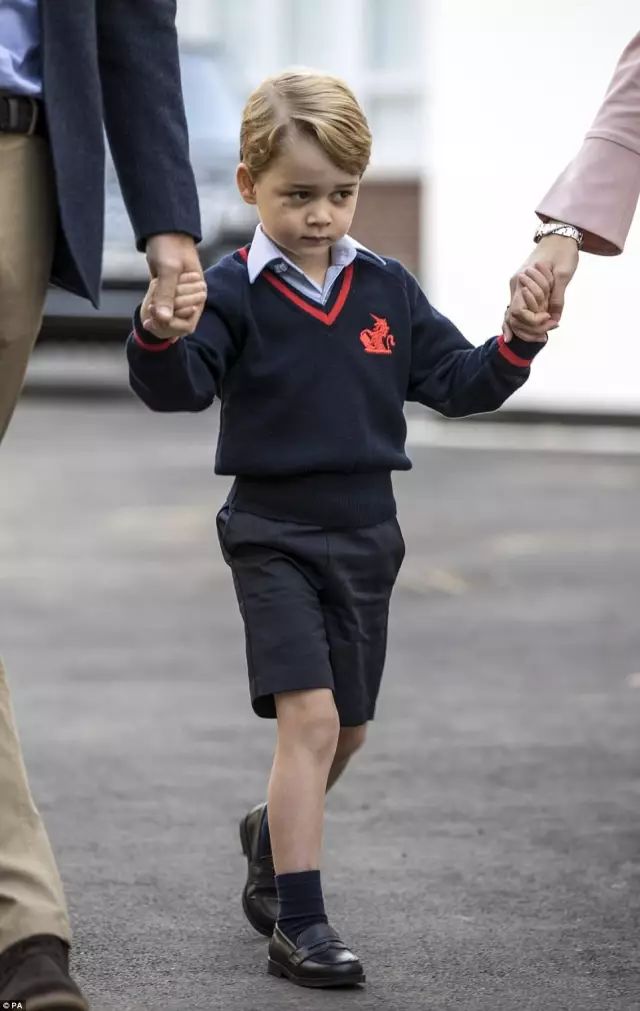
x=315, y=606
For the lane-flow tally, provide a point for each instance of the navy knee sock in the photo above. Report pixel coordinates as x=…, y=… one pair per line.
x=300, y=902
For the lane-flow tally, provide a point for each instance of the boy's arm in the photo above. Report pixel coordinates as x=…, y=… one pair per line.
x=452, y=376
x=187, y=374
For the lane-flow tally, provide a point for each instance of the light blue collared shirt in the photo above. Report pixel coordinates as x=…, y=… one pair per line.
x=265, y=253
x=20, y=58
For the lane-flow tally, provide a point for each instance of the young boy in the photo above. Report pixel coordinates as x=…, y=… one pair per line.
x=313, y=344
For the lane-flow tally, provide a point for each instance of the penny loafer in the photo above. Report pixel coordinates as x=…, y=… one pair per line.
x=259, y=896
x=34, y=974
x=318, y=958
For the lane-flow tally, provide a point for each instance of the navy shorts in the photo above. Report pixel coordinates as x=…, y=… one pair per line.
x=315, y=606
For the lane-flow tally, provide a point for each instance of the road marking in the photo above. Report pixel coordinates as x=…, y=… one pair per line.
x=430, y=580
x=160, y=524
x=505, y=435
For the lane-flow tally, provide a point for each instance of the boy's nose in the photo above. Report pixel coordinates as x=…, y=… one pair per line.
x=319, y=216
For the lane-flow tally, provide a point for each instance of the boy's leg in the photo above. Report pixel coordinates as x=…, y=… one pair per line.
x=350, y=740
x=259, y=897
x=278, y=577
x=308, y=729
x=304, y=947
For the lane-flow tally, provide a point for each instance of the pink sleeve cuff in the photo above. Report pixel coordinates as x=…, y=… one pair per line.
x=598, y=193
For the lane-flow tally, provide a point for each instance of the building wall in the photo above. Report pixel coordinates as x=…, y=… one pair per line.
x=514, y=88
x=388, y=219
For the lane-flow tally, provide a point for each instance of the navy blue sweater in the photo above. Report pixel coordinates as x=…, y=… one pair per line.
x=312, y=396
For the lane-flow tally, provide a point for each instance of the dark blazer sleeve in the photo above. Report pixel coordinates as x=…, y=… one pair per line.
x=144, y=115
x=451, y=375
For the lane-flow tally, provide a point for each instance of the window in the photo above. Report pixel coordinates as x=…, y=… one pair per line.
x=314, y=33
x=392, y=34
x=396, y=127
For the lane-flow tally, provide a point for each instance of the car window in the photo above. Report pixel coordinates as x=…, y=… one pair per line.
x=213, y=109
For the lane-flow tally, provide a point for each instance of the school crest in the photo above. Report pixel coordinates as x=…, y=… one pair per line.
x=377, y=340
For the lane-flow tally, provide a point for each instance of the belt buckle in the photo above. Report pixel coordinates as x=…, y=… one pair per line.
x=34, y=116
x=12, y=103
x=13, y=111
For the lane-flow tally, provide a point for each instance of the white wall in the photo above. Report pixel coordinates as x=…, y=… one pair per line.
x=513, y=87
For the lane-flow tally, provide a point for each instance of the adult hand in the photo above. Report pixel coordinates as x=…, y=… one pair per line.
x=169, y=256
x=560, y=254
x=190, y=297
x=534, y=285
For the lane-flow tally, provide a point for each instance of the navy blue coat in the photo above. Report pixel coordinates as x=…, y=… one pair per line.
x=114, y=61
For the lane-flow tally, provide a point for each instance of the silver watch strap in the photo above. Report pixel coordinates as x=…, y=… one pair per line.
x=559, y=228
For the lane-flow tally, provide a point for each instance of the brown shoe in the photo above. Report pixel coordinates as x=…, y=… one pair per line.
x=35, y=974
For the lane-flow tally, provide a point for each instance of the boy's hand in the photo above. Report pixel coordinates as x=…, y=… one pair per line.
x=190, y=296
x=528, y=315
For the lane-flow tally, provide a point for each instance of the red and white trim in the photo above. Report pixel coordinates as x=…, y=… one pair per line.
x=148, y=346
x=511, y=357
x=328, y=318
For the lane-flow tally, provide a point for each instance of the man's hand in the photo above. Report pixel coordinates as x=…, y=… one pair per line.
x=560, y=254
x=189, y=298
x=169, y=256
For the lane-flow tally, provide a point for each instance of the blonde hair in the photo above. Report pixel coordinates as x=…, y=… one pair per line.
x=316, y=105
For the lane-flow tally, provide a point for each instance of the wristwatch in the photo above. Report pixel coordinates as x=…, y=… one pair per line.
x=559, y=228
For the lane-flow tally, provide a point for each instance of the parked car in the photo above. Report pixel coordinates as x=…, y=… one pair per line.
x=213, y=107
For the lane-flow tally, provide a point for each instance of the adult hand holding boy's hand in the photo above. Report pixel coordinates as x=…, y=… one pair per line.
x=558, y=253
x=190, y=295
x=170, y=255
x=528, y=315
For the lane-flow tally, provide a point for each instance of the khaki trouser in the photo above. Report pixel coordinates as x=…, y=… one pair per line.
x=31, y=896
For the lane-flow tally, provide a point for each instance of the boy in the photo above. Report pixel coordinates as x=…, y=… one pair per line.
x=313, y=343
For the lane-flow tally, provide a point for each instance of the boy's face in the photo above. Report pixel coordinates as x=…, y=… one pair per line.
x=305, y=202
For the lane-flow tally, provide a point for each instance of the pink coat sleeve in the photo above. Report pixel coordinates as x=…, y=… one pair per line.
x=598, y=191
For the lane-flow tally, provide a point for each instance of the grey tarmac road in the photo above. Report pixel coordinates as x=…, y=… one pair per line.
x=483, y=853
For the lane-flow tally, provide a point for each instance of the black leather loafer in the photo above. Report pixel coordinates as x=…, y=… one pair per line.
x=318, y=958
x=259, y=896
x=34, y=974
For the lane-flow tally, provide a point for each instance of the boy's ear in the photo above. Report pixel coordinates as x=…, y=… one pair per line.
x=245, y=184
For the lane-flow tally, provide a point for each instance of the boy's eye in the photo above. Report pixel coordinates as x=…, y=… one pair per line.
x=300, y=195
x=344, y=194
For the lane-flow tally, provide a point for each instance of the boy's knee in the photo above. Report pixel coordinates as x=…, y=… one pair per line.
x=350, y=740
x=311, y=718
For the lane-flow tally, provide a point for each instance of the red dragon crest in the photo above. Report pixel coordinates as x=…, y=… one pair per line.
x=377, y=340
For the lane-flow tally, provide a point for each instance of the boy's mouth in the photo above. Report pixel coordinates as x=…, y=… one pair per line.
x=316, y=239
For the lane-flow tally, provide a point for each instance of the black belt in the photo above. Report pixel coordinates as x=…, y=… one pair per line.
x=21, y=114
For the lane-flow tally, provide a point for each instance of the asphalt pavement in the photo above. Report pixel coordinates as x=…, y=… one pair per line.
x=482, y=854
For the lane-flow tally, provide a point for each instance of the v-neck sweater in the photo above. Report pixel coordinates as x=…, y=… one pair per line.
x=311, y=419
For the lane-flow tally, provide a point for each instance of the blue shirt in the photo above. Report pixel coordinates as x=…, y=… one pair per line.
x=20, y=59
x=265, y=253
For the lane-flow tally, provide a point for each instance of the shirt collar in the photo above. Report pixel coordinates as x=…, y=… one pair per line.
x=263, y=252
